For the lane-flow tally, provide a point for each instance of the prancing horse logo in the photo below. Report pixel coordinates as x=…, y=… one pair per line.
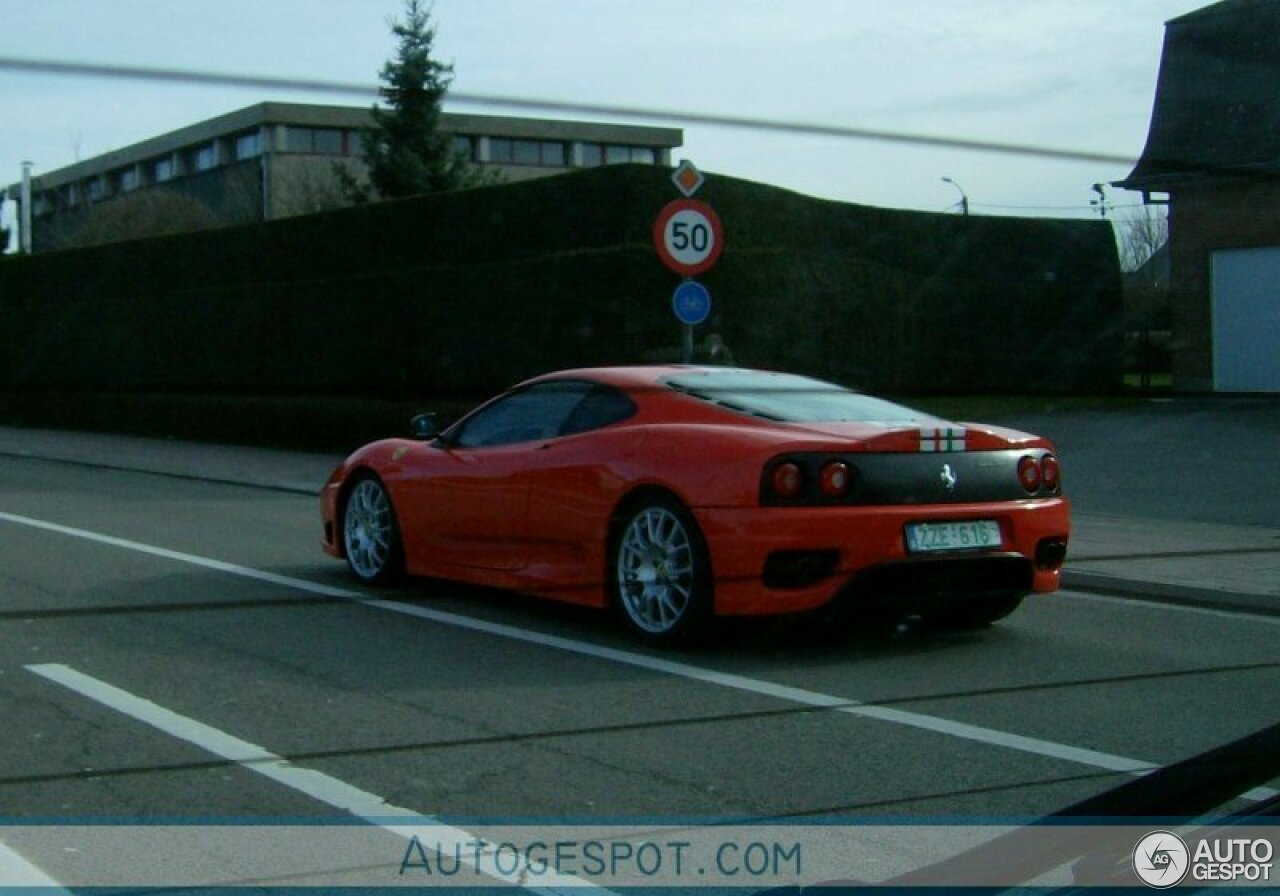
x=948, y=478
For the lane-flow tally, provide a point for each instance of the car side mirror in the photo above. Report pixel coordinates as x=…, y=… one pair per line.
x=424, y=427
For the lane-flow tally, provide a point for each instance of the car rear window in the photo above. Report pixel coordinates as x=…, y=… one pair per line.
x=788, y=398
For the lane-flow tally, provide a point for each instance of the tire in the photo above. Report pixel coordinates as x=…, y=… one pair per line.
x=370, y=535
x=660, y=572
x=977, y=612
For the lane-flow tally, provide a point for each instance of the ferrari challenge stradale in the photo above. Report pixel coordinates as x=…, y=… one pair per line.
x=676, y=494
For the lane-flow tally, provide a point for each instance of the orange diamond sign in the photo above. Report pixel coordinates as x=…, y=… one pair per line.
x=687, y=178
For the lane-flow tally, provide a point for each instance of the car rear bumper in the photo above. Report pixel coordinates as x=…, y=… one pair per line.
x=779, y=560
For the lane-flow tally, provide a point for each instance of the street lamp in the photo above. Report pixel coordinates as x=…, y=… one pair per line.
x=1101, y=202
x=25, y=242
x=964, y=199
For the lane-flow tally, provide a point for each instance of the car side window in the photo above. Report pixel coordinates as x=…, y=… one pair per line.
x=527, y=415
x=600, y=407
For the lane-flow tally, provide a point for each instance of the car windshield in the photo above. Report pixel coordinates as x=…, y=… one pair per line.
x=788, y=398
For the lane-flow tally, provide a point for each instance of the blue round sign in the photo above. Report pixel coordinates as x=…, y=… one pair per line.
x=691, y=303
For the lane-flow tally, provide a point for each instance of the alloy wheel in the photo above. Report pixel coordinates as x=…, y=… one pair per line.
x=369, y=530
x=656, y=574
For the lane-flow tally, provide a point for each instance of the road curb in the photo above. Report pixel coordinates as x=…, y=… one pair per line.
x=265, y=483
x=1162, y=592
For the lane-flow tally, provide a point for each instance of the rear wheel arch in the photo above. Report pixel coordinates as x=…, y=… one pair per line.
x=632, y=501
x=634, y=498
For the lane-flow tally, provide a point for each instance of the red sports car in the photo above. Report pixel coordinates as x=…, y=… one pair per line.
x=676, y=494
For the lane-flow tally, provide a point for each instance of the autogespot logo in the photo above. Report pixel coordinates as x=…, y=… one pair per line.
x=1161, y=859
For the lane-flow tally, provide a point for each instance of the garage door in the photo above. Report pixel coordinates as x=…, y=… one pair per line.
x=1246, y=320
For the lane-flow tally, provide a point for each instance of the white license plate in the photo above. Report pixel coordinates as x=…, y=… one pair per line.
x=970, y=535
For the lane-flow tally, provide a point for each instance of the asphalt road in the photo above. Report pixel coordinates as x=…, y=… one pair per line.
x=179, y=648
x=1210, y=459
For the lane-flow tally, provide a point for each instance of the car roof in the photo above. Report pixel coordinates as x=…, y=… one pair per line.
x=622, y=377
x=643, y=375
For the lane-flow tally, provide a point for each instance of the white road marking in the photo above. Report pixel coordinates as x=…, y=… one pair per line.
x=802, y=696
x=934, y=724
x=179, y=556
x=324, y=788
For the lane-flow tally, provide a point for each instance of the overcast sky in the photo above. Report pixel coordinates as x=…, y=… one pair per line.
x=1066, y=74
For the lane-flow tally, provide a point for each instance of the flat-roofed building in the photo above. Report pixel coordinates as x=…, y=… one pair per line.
x=274, y=160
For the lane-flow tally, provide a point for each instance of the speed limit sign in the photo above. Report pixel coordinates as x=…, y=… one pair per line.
x=688, y=236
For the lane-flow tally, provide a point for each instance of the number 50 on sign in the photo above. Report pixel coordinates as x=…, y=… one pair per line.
x=688, y=236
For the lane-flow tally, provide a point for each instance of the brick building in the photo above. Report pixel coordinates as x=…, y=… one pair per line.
x=1213, y=154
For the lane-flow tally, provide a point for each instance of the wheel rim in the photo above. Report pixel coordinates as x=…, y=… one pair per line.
x=368, y=529
x=655, y=570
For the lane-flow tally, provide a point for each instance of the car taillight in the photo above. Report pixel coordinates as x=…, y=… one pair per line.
x=834, y=479
x=810, y=479
x=787, y=480
x=1050, y=472
x=1030, y=474
x=1039, y=474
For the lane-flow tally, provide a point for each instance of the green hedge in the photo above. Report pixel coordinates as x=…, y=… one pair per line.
x=460, y=294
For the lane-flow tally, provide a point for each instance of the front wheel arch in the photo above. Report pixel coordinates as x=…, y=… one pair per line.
x=369, y=564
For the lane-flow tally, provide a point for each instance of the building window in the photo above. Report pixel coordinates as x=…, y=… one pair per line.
x=554, y=154
x=96, y=188
x=502, y=151
x=317, y=141
x=328, y=141
x=592, y=155
x=464, y=148
x=202, y=158
x=533, y=153
x=249, y=145
x=162, y=170
x=129, y=180
x=298, y=139
x=527, y=152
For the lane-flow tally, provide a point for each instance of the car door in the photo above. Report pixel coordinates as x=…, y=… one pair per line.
x=574, y=486
x=469, y=504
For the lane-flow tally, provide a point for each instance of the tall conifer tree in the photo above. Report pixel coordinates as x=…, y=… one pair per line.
x=405, y=151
